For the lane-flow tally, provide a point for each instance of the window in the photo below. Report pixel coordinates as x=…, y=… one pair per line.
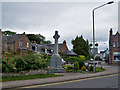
x=113, y=44
x=116, y=56
x=27, y=45
x=20, y=43
x=118, y=44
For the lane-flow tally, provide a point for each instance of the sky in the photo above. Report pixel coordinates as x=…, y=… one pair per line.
x=69, y=18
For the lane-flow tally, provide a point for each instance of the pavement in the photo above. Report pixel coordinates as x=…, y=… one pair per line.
x=110, y=69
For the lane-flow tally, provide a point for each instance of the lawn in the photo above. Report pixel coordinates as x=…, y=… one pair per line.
x=98, y=69
x=37, y=76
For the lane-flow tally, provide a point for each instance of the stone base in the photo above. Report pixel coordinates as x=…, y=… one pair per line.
x=56, y=61
x=57, y=70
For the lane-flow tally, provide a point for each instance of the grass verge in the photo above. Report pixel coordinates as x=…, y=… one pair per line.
x=37, y=76
x=98, y=69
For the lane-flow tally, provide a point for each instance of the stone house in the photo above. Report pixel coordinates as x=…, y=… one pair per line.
x=49, y=49
x=16, y=43
x=114, y=47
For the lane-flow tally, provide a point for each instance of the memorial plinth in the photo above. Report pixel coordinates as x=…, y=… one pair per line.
x=56, y=60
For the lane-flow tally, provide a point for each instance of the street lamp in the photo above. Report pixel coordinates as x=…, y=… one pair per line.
x=94, y=25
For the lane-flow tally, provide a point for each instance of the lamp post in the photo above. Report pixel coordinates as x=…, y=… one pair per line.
x=94, y=25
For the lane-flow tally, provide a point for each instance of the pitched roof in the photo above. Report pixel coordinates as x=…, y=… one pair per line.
x=50, y=46
x=70, y=53
x=117, y=33
x=11, y=38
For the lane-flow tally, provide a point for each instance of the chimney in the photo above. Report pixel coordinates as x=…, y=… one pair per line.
x=23, y=32
x=110, y=31
x=64, y=42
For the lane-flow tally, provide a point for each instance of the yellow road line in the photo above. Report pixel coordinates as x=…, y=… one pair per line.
x=67, y=81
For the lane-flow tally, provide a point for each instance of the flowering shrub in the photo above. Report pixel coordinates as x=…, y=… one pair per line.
x=83, y=68
x=8, y=66
x=25, y=62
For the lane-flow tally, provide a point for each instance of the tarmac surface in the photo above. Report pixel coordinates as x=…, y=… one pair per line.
x=110, y=69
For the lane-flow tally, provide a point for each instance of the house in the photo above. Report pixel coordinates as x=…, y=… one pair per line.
x=49, y=49
x=114, y=47
x=0, y=43
x=16, y=43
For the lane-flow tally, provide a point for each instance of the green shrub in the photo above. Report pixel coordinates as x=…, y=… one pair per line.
x=24, y=62
x=20, y=63
x=8, y=66
x=79, y=60
x=70, y=69
x=66, y=66
x=72, y=59
x=82, y=57
x=81, y=63
x=76, y=66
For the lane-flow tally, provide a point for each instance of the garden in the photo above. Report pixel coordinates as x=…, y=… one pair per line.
x=77, y=65
x=15, y=63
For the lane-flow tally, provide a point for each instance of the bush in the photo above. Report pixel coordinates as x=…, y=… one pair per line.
x=79, y=60
x=82, y=57
x=24, y=62
x=71, y=59
x=76, y=66
x=66, y=66
x=83, y=68
x=81, y=63
x=20, y=63
x=8, y=66
x=70, y=69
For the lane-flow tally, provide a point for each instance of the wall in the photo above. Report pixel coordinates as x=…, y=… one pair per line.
x=30, y=72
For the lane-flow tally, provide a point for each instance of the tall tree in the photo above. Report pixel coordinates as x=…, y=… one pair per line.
x=38, y=38
x=80, y=46
x=9, y=32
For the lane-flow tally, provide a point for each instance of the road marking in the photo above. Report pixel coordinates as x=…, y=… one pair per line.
x=68, y=81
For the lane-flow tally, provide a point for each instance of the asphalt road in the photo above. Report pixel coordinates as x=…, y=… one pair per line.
x=109, y=81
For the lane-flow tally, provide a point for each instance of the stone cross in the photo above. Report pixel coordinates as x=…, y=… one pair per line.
x=56, y=60
x=56, y=37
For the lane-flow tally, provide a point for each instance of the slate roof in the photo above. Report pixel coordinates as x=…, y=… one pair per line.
x=50, y=46
x=115, y=35
x=11, y=38
x=70, y=53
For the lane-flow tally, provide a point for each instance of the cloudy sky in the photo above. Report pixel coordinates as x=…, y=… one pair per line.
x=71, y=19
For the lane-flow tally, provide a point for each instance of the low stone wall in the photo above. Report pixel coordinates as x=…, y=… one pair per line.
x=30, y=72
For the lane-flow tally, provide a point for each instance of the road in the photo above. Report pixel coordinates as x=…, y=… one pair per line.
x=109, y=81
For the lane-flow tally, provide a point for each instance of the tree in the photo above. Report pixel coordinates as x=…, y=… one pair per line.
x=80, y=46
x=38, y=38
x=9, y=32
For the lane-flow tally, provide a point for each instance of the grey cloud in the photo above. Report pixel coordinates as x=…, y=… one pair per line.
x=70, y=19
